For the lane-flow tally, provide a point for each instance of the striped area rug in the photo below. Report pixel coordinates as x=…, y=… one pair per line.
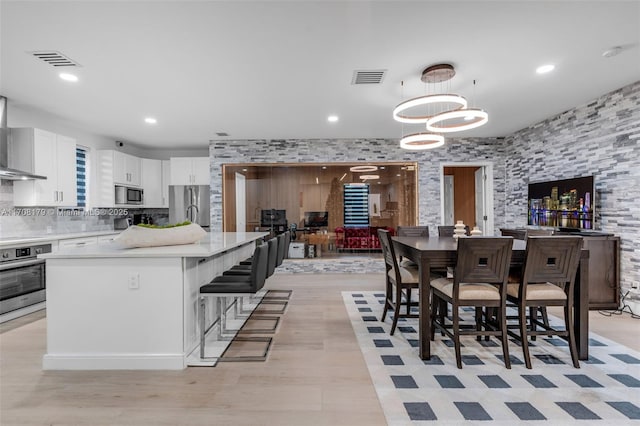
x=605, y=390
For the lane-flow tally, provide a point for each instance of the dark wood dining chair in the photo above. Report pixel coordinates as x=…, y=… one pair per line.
x=447, y=230
x=547, y=279
x=515, y=273
x=413, y=231
x=399, y=280
x=479, y=280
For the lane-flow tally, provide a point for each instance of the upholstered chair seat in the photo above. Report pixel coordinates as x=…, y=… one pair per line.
x=542, y=291
x=467, y=291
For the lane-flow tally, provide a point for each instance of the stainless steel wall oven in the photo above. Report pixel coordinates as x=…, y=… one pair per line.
x=22, y=276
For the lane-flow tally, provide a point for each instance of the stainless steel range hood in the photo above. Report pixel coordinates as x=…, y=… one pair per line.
x=6, y=172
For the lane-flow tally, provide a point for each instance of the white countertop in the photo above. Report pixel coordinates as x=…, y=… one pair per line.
x=211, y=244
x=43, y=238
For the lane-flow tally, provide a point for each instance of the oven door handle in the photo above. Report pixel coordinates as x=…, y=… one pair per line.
x=20, y=264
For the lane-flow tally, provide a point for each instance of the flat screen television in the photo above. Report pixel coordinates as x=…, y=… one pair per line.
x=273, y=217
x=566, y=203
x=316, y=219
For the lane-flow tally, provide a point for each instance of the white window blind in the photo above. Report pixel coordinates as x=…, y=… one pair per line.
x=356, y=204
x=81, y=176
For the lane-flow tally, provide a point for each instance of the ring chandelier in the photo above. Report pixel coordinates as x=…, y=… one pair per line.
x=473, y=117
x=454, y=119
x=426, y=100
x=419, y=141
x=363, y=169
x=369, y=177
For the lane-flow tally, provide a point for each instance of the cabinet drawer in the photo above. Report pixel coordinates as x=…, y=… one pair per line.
x=106, y=239
x=77, y=242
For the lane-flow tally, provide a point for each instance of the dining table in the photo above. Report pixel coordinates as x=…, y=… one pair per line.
x=439, y=253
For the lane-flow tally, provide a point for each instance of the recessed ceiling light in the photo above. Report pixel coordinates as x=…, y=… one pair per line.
x=545, y=69
x=150, y=120
x=332, y=118
x=68, y=77
x=324, y=167
x=612, y=52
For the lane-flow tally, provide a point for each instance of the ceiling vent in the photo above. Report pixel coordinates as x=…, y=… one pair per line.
x=222, y=134
x=55, y=59
x=368, y=76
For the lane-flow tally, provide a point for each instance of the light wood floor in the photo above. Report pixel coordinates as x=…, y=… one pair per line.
x=315, y=374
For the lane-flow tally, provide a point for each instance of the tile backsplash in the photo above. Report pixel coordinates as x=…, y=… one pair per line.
x=35, y=221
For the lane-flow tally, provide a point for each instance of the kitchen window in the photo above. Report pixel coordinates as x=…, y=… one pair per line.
x=82, y=175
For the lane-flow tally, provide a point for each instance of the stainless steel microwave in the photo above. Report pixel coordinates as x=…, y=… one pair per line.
x=129, y=195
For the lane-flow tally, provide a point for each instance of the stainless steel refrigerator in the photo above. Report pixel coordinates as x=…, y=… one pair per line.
x=189, y=202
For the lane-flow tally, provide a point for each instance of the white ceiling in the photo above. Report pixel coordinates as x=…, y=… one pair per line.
x=276, y=70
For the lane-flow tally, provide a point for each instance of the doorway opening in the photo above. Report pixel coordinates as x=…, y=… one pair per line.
x=467, y=195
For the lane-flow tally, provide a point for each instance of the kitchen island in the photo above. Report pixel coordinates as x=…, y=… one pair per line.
x=110, y=307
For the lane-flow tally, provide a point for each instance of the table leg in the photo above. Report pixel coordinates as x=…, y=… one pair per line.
x=581, y=308
x=424, y=333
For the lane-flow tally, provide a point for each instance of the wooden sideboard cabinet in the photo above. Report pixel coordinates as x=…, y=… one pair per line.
x=604, y=271
x=604, y=267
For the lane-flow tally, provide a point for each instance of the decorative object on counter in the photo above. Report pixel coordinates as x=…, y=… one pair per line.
x=459, y=230
x=476, y=231
x=165, y=235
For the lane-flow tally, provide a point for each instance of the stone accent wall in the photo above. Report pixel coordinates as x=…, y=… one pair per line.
x=361, y=150
x=601, y=138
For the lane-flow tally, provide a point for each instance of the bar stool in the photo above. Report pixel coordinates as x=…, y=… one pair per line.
x=234, y=286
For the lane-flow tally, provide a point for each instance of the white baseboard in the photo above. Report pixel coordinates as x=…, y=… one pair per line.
x=22, y=312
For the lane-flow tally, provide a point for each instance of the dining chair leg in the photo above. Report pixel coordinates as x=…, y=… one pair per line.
x=396, y=309
x=456, y=334
x=408, y=301
x=435, y=302
x=387, y=300
x=522, y=318
x=545, y=316
x=443, y=310
x=478, y=321
x=533, y=317
x=505, y=341
x=568, y=323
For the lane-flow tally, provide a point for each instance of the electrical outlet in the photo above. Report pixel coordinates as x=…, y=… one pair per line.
x=134, y=281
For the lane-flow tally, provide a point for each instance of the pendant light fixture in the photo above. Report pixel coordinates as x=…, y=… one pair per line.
x=435, y=102
x=441, y=113
x=419, y=141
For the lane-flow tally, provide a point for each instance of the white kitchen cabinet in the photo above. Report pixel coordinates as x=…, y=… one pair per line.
x=190, y=171
x=166, y=181
x=152, y=182
x=105, y=239
x=77, y=242
x=115, y=168
x=126, y=169
x=47, y=154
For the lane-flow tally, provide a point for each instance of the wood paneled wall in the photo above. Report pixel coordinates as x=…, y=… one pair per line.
x=464, y=193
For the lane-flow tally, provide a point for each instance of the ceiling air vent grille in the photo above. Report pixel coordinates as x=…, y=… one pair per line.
x=222, y=133
x=55, y=59
x=368, y=76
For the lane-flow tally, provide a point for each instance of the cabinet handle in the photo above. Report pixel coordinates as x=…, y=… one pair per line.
x=61, y=195
x=55, y=195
